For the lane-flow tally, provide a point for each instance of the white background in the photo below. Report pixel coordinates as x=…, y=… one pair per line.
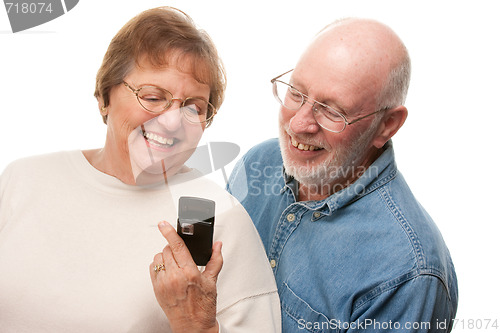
x=445, y=150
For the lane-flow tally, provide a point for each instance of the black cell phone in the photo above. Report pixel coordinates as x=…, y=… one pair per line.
x=195, y=225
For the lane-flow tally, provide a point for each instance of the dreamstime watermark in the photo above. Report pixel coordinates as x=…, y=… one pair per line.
x=25, y=14
x=259, y=178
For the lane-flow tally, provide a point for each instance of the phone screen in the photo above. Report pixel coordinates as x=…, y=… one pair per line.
x=195, y=225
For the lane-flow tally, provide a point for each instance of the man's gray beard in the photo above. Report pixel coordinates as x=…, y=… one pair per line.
x=344, y=163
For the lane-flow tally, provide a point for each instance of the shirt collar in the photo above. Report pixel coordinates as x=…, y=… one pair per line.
x=378, y=173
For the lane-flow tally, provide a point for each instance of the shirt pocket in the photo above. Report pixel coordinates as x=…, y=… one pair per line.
x=306, y=318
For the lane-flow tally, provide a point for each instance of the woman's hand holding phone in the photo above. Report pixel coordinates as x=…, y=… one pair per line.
x=187, y=296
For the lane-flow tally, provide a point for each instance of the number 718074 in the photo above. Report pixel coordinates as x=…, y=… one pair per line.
x=29, y=8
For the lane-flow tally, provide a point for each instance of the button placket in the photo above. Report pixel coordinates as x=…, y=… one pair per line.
x=289, y=221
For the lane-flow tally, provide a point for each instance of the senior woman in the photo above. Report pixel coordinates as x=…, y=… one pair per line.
x=79, y=246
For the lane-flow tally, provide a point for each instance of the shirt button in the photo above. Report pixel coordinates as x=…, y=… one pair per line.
x=317, y=214
x=290, y=217
x=273, y=263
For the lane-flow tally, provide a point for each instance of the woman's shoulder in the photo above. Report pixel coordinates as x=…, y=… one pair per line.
x=40, y=162
x=39, y=169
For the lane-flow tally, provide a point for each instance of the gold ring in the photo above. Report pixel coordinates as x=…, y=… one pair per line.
x=159, y=267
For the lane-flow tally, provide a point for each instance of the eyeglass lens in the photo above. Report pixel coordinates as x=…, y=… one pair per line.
x=158, y=100
x=293, y=99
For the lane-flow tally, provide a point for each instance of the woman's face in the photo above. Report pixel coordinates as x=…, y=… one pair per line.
x=153, y=144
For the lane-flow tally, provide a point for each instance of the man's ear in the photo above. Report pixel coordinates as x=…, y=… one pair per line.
x=391, y=122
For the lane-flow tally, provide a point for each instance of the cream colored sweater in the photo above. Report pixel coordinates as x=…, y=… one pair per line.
x=76, y=244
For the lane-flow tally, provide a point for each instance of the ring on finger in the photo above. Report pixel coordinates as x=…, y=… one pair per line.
x=159, y=267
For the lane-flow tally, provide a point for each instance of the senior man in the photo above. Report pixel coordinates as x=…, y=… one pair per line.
x=350, y=246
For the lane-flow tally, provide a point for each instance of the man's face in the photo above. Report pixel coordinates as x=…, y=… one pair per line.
x=341, y=77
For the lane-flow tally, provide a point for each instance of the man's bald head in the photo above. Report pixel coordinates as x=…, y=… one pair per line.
x=374, y=49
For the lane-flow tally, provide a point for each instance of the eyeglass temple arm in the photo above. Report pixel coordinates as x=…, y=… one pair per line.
x=365, y=116
x=128, y=86
x=277, y=77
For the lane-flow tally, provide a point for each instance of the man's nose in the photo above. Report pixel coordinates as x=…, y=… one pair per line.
x=303, y=121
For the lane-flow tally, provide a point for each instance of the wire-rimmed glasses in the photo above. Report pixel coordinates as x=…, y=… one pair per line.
x=156, y=100
x=326, y=116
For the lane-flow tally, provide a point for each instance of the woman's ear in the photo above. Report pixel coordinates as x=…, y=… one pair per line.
x=391, y=122
x=102, y=110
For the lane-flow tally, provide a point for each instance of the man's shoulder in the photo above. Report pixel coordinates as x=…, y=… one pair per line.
x=268, y=150
x=414, y=230
x=265, y=156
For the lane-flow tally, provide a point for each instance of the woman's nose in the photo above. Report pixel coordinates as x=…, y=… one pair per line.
x=172, y=117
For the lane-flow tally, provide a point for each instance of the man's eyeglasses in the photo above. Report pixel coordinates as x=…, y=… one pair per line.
x=326, y=116
x=157, y=100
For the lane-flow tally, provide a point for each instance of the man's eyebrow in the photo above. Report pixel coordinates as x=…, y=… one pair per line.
x=327, y=101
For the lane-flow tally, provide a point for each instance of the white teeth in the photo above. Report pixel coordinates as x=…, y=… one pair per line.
x=302, y=146
x=156, y=139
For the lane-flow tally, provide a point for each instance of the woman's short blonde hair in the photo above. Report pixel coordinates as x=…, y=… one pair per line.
x=162, y=37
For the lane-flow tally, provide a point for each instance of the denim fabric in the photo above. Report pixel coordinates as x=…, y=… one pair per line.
x=368, y=258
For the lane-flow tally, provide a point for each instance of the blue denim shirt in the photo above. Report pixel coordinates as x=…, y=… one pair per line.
x=368, y=258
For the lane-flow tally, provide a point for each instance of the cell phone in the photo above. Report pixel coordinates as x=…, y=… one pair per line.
x=195, y=225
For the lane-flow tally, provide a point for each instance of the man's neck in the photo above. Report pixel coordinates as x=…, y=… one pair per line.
x=317, y=192
x=307, y=193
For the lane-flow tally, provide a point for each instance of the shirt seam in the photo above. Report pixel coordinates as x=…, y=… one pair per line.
x=221, y=311
x=285, y=309
x=234, y=175
x=395, y=283
x=413, y=238
x=403, y=223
